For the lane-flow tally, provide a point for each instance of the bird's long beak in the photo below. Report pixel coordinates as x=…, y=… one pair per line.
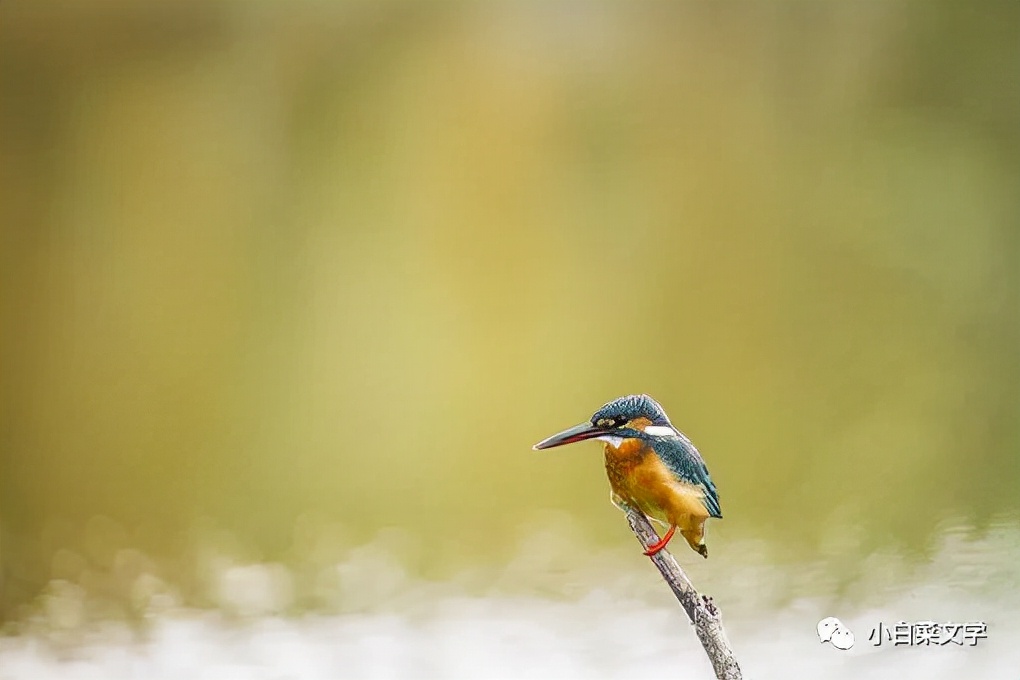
x=575, y=434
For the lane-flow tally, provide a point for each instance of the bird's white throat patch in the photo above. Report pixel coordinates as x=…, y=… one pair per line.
x=654, y=430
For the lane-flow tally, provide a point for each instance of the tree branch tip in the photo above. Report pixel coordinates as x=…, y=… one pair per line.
x=703, y=614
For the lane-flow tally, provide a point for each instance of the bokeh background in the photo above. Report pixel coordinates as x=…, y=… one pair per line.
x=289, y=289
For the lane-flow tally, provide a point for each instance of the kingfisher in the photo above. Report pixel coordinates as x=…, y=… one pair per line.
x=652, y=466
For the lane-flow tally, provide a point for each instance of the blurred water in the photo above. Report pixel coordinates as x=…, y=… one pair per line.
x=559, y=609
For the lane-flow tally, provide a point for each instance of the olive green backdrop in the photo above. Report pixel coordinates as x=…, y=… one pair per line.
x=271, y=266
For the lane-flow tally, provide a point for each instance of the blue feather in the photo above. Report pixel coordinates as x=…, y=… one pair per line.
x=684, y=461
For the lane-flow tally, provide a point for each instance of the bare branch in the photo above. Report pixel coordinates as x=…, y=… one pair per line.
x=700, y=609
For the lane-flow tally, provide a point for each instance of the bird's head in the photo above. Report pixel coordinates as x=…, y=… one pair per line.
x=633, y=416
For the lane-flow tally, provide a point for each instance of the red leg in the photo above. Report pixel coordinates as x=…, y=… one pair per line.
x=654, y=549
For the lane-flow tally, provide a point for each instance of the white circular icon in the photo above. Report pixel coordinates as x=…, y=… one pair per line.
x=832, y=630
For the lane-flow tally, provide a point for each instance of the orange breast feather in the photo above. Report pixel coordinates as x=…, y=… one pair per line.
x=639, y=477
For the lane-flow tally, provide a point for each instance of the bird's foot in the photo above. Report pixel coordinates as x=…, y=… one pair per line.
x=703, y=550
x=655, y=548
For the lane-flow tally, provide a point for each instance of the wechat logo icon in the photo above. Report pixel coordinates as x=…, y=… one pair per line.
x=833, y=631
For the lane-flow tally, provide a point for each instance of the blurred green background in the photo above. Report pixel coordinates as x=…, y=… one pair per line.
x=268, y=266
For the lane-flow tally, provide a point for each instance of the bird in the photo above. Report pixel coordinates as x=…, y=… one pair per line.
x=652, y=466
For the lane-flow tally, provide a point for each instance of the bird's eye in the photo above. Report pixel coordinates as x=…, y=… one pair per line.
x=621, y=422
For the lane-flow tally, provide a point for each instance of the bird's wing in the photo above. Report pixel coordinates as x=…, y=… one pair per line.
x=684, y=461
